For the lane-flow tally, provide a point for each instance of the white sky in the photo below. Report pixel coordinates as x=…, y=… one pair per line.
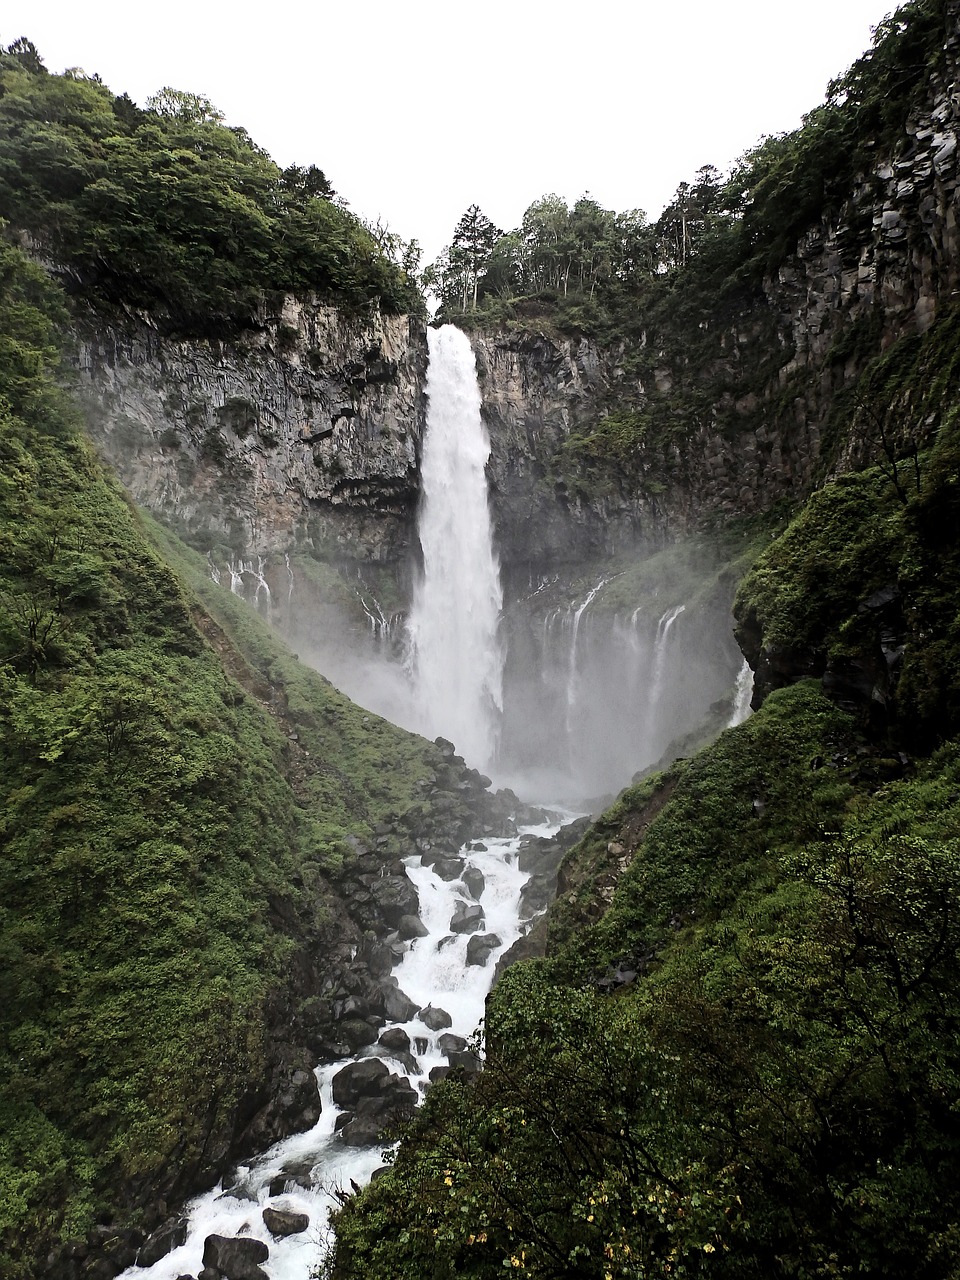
x=416, y=110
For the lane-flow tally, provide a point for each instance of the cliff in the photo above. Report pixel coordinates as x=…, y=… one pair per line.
x=304, y=432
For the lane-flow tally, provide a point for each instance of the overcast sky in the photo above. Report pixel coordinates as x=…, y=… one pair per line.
x=416, y=110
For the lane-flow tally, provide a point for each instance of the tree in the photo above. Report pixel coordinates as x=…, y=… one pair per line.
x=180, y=105
x=473, y=239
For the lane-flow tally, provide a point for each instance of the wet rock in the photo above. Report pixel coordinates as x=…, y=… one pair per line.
x=235, y=1258
x=397, y=1006
x=161, y=1242
x=375, y=1116
x=283, y=1222
x=450, y=1043
x=411, y=927
x=438, y=1073
x=473, y=882
x=468, y=917
x=395, y=1039
x=293, y=1107
x=357, y=1034
x=357, y=1080
x=537, y=894
x=393, y=898
x=480, y=947
x=435, y=1019
x=448, y=868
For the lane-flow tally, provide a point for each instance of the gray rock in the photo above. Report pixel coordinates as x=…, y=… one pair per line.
x=450, y=1043
x=283, y=1222
x=397, y=1006
x=473, y=882
x=357, y=1034
x=357, y=1080
x=411, y=927
x=395, y=1039
x=435, y=1019
x=468, y=917
x=161, y=1242
x=480, y=946
x=448, y=868
x=235, y=1258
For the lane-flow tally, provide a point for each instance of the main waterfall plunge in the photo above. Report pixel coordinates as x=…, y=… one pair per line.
x=455, y=648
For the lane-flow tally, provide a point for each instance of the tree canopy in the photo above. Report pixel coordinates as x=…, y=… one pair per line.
x=170, y=211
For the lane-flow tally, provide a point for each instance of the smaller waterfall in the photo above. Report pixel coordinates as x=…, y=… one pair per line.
x=660, y=653
x=572, y=680
x=303, y=1173
x=742, y=695
x=453, y=626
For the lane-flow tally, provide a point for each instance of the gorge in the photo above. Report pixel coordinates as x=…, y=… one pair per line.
x=723, y=471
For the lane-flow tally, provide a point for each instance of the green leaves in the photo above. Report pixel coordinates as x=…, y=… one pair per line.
x=170, y=211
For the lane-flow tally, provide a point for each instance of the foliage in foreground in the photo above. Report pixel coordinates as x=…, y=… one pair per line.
x=775, y=1095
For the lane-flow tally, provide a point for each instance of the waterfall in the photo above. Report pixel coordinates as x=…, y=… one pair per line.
x=455, y=649
x=742, y=695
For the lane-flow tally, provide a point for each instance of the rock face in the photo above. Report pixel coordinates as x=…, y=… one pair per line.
x=306, y=430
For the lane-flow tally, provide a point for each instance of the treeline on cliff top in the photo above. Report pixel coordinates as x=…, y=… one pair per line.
x=584, y=268
x=170, y=211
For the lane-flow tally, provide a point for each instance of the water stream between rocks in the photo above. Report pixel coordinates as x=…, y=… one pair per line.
x=472, y=909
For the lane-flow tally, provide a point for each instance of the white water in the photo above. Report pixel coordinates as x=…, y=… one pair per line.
x=432, y=971
x=455, y=649
x=742, y=695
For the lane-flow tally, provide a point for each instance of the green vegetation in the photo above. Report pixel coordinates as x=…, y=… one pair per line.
x=165, y=843
x=774, y=1095
x=170, y=211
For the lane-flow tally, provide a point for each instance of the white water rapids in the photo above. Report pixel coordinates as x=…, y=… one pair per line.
x=314, y=1165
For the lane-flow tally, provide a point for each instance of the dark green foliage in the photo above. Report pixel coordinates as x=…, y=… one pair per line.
x=170, y=211
x=892, y=527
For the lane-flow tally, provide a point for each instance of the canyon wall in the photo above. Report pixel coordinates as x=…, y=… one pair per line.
x=306, y=434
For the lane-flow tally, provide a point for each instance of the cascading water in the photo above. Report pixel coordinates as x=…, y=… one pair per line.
x=304, y=1174
x=742, y=695
x=455, y=649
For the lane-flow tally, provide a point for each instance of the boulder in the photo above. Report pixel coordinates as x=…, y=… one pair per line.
x=473, y=882
x=161, y=1242
x=395, y=1039
x=480, y=947
x=284, y=1222
x=450, y=1043
x=356, y=1033
x=435, y=1019
x=235, y=1258
x=468, y=917
x=393, y=898
x=374, y=1117
x=448, y=868
x=411, y=927
x=358, y=1080
x=397, y=1006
